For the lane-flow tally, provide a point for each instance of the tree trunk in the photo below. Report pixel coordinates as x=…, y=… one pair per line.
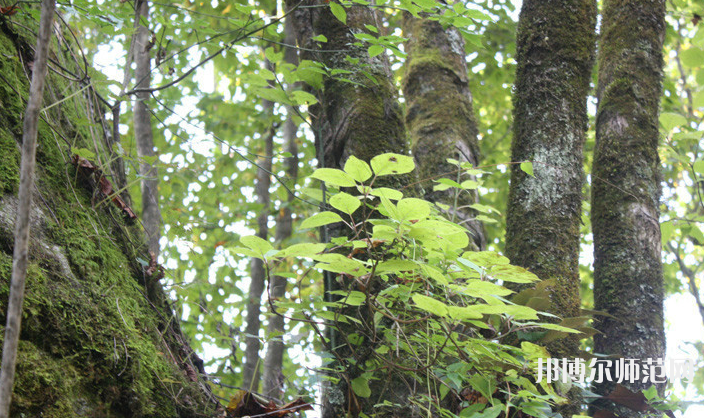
x=360, y=118
x=555, y=51
x=143, y=136
x=272, y=378
x=628, y=277
x=555, y=56
x=440, y=117
x=98, y=335
x=252, y=360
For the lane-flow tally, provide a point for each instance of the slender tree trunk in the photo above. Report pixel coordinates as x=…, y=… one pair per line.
x=273, y=379
x=364, y=119
x=21, y=241
x=439, y=115
x=628, y=277
x=151, y=215
x=555, y=54
x=252, y=364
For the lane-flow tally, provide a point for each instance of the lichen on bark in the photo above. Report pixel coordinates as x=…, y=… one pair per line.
x=555, y=54
x=628, y=282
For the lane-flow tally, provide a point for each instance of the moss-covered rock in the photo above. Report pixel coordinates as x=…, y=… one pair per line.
x=98, y=335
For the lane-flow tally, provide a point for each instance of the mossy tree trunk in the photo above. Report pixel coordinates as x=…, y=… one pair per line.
x=98, y=335
x=361, y=118
x=440, y=117
x=555, y=54
x=628, y=277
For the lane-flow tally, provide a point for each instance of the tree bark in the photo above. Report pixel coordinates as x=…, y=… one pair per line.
x=272, y=378
x=440, y=117
x=144, y=138
x=555, y=54
x=628, y=277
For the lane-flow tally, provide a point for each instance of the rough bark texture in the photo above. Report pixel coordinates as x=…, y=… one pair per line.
x=361, y=118
x=439, y=115
x=555, y=56
x=252, y=360
x=628, y=281
x=272, y=378
x=144, y=138
x=98, y=336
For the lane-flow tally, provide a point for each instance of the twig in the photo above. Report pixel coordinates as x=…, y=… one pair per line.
x=19, y=268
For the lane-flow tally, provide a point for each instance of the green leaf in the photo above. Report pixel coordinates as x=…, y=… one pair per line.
x=698, y=100
x=302, y=250
x=320, y=38
x=358, y=169
x=429, y=304
x=698, y=167
x=339, y=12
x=360, y=385
x=300, y=97
x=334, y=177
x=390, y=194
x=412, y=209
x=670, y=120
x=515, y=274
x=320, y=219
x=527, y=167
x=345, y=202
x=256, y=244
x=375, y=50
x=390, y=163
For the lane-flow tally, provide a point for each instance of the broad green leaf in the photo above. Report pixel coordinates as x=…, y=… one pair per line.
x=345, y=202
x=692, y=57
x=412, y=209
x=698, y=100
x=389, y=163
x=334, y=177
x=527, y=167
x=463, y=313
x=358, y=169
x=511, y=273
x=670, y=120
x=480, y=288
x=390, y=194
x=256, y=244
x=300, y=97
x=485, y=258
x=320, y=219
x=301, y=250
x=339, y=12
x=429, y=304
x=375, y=50
x=360, y=385
x=698, y=167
